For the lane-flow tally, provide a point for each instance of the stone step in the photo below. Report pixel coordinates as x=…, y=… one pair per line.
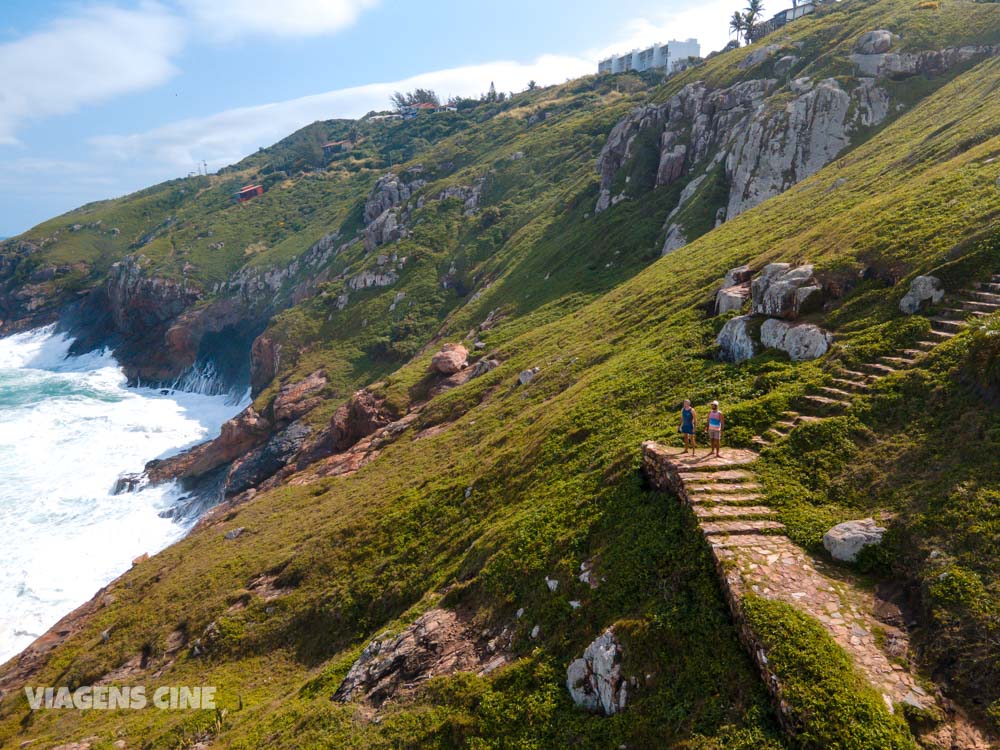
x=898, y=361
x=880, y=368
x=714, y=528
x=766, y=541
x=853, y=374
x=723, y=475
x=960, y=314
x=772, y=433
x=914, y=353
x=981, y=306
x=854, y=385
x=789, y=414
x=996, y=278
x=991, y=287
x=835, y=392
x=807, y=418
x=826, y=403
x=926, y=346
x=722, y=488
x=947, y=324
x=732, y=511
x=941, y=335
x=761, y=442
x=788, y=424
x=746, y=498
x=983, y=296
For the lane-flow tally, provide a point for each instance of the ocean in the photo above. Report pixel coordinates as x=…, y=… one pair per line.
x=69, y=427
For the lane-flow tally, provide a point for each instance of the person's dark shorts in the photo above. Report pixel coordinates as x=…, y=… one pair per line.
x=687, y=430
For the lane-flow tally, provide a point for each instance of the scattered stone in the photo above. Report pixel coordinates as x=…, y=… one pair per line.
x=922, y=289
x=237, y=532
x=846, y=540
x=575, y=603
x=736, y=341
x=140, y=559
x=482, y=367
x=451, y=359
x=731, y=298
x=480, y=345
x=527, y=376
x=535, y=631
x=801, y=341
x=552, y=583
x=595, y=680
x=520, y=613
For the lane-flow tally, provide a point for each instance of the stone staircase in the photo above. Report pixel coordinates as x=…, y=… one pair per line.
x=845, y=384
x=752, y=554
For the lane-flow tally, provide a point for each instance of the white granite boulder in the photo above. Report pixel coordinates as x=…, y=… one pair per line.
x=801, y=341
x=736, y=341
x=875, y=42
x=595, y=680
x=922, y=289
x=781, y=291
x=735, y=290
x=846, y=540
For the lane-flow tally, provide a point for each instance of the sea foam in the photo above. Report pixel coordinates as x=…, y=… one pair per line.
x=69, y=427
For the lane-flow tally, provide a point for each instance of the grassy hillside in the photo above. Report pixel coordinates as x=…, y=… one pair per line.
x=498, y=486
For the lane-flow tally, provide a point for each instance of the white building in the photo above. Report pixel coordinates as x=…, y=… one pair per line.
x=664, y=56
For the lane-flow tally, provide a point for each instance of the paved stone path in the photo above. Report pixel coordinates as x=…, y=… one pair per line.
x=752, y=554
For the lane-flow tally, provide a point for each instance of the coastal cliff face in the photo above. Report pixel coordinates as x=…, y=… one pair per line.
x=427, y=529
x=737, y=146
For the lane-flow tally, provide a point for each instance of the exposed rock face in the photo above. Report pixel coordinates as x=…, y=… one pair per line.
x=436, y=644
x=736, y=341
x=265, y=359
x=783, y=146
x=765, y=148
x=361, y=416
x=296, y=399
x=618, y=148
x=451, y=359
x=923, y=289
x=383, y=229
x=266, y=460
x=370, y=278
x=389, y=192
x=239, y=435
x=846, y=540
x=802, y=341
x=927, y=63
x=595, y=680
x=674, y=240
x=785, y=292
x=468, y=194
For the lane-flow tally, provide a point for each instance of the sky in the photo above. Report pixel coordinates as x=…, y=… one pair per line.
x=102, y=97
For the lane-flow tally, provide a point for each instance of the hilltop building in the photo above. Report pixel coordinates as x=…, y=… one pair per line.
x=669, y=57
x=760, y=30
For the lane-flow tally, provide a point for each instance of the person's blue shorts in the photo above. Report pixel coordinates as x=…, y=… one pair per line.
x=687, y=430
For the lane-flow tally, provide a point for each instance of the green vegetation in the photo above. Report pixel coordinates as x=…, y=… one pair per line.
x=831, y=704
x=551, y=467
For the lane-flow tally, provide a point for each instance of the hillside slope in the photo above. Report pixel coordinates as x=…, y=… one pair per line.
x=463, y=500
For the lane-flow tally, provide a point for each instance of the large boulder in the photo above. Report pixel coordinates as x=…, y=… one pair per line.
x=265, y=461
x=451, y=359
x=846, y=540
x=801, y=341
x=923, y=289
x=874, y=42
x=735, y=290
x=595, y=680
x=736, y=341
x=784, y=292
x=358, y=418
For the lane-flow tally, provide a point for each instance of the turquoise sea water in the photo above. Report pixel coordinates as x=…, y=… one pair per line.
x=68, y=428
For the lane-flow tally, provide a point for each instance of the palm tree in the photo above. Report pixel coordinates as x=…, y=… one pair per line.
x=754, y=11
x=736, y=24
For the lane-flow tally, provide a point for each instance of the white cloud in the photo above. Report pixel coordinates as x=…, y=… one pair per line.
x=228, y=19
x=99, y=53
x=227, y=136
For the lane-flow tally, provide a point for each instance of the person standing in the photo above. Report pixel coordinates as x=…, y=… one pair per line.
x=688, y=422
x=716, y=423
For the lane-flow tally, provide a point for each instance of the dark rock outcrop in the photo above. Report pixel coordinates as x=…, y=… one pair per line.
x=264, y=461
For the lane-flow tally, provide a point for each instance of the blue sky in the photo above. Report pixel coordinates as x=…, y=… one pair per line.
x=102, y=97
